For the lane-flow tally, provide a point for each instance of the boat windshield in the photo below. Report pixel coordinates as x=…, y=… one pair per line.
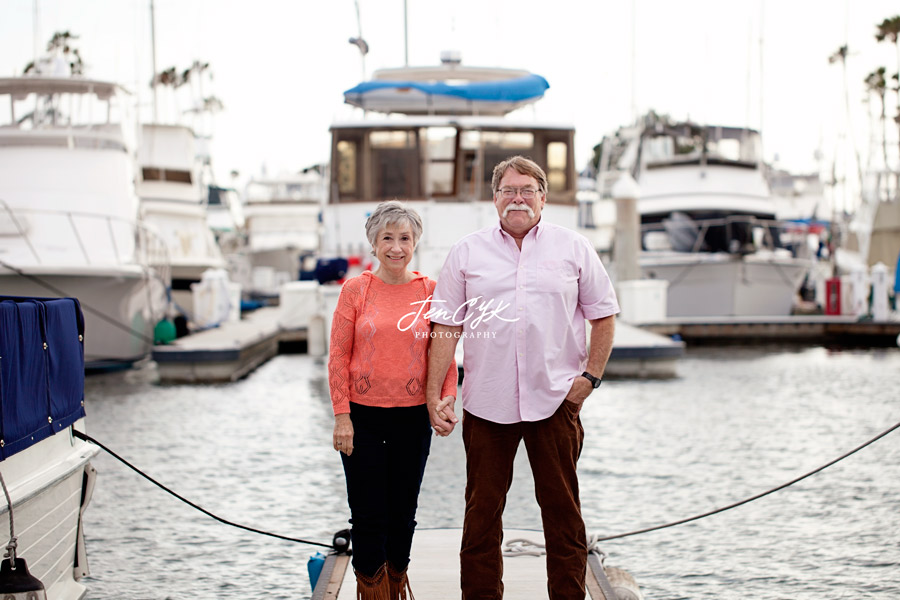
x=692, y=145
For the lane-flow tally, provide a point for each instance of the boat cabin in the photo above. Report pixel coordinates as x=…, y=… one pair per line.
x=446, y=159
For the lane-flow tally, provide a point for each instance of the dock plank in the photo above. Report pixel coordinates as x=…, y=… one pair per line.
x=434, y=569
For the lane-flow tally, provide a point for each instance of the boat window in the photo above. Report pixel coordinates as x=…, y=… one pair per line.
x=557, y=160
x=395, y=162
x=440, y=148
x=151, y=174
x=727, y=149
x=484, y=150
x=346, y=167
x=658, y=149
x=390, y=139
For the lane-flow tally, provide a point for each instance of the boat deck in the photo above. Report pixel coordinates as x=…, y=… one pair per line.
x=221, y=354
x=826, y=330
x=434, y=569
x=234, y=349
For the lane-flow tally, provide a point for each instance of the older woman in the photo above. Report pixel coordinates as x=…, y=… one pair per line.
x=377, y=367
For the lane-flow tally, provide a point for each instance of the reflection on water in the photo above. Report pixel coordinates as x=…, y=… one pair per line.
x=735, y=423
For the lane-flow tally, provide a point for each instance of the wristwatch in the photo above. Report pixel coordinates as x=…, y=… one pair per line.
x=595, y=381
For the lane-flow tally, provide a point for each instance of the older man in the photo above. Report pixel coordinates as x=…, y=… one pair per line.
x=518, y=293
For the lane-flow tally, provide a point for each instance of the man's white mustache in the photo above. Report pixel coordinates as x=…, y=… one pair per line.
x=510, y=207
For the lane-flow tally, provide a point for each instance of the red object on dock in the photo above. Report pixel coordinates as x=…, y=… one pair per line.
x=833, y=296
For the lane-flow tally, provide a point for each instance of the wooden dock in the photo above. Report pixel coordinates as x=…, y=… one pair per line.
x=224, y=353
x=818, y=330
x=434, y=569
x=234, y=349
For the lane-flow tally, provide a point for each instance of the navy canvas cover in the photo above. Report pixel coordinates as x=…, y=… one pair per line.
x=41, y=369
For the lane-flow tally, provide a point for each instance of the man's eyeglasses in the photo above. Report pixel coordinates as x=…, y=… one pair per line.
x=527, y=193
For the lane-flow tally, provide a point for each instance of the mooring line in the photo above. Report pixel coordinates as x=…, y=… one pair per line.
x=87, y=438
x=752, y=498
x=595, y=539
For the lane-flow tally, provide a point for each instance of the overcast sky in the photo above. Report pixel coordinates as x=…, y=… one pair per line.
x=280, y=67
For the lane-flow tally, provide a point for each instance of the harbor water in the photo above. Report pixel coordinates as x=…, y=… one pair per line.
x=736, y=422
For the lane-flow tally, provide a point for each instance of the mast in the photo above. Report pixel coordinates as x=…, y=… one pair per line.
x=153, y=59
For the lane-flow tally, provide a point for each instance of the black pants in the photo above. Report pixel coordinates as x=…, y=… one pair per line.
x=384, y=474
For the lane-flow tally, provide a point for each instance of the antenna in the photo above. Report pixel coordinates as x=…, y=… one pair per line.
x=37, y=33
x=359, y=42
x=762, y=21
x=634, y=113
x=153, y=61
x=405, y=36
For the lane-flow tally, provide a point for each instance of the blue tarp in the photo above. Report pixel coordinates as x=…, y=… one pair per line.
x=897, y=277
x=41, y=369
x=507, y=90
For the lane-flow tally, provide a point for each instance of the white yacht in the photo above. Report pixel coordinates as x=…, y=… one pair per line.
x=707, y=218
x=45, y=468
x=69, y=215
x=282, y=223
x=874, y=230
x=173, y=200
x=446, y=128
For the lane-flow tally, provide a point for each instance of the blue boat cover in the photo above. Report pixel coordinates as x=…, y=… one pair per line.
x=41, y=369
x=505, y=90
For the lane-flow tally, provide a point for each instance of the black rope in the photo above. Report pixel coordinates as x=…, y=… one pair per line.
x=752, y=498
x=85, y=307
x=87, y=438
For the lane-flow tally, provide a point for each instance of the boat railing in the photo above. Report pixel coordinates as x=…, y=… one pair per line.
x=736, y=234
x=97, y=137
x=150, y=249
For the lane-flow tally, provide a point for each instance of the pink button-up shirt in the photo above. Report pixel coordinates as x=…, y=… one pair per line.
x=523, y=316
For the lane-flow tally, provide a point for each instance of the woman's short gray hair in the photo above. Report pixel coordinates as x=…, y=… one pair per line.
x=393, y=212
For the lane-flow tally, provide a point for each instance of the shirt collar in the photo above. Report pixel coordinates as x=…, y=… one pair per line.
x=537, y=229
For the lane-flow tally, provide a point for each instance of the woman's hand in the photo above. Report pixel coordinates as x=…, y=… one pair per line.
x=443, y=418
x=343, y=434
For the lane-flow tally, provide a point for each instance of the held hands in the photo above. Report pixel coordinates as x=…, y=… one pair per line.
x=443, y=418
x=343, y=434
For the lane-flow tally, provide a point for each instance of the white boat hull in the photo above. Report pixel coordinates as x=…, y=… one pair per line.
x=121, y=308
x=47, y=483
x=726, y=285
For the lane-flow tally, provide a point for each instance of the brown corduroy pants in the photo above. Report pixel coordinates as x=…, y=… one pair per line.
x=553, y=446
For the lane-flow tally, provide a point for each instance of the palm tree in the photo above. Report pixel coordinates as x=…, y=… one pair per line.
x=877, y=84
x=889, y=29
x=840, y=55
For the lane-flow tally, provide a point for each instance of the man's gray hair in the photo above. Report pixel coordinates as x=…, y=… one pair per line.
x=522, y=166
x=393, y=212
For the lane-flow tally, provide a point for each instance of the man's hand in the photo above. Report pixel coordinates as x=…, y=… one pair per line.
x=343, y=434
x=580, y=390
x=442, y=416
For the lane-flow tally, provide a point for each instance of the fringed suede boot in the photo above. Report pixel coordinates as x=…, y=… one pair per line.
x=399, y=584
x=372, y=588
